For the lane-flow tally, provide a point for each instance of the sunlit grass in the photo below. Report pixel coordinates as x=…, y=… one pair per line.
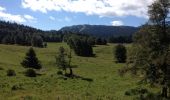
x=106, y=84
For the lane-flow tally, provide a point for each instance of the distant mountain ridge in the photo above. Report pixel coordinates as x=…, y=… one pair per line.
x=101, y=30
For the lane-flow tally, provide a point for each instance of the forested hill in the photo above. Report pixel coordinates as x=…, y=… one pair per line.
x=13, y=33
x=101, y=30
x=8, y=28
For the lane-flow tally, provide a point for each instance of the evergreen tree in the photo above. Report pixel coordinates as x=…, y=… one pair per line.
x=31, y=61
x=150, y=53
x=69, y=62
x=120, y=53
x=61, y=59
x=37, y=41
x=80, y=46
x=98, y=41
x=91, y=41
x=104, y=42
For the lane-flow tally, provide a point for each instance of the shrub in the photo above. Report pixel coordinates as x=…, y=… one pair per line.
x=120, y=53
x=16, y=87
x=30, y=73
x=59, y=73
x=11, y=72
x=136, y=91
x=1, y=68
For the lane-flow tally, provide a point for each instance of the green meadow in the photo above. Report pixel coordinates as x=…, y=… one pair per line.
x=98, y=77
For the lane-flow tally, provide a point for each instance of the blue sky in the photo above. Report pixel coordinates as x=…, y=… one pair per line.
x=55, y=14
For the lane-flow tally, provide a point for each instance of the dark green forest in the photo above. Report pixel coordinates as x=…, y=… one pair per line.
x=13, y=33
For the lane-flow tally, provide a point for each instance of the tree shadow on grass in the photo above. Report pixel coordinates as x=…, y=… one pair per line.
x=74, y=66
x=93, y=55
x=66, y=76
x=84, y=78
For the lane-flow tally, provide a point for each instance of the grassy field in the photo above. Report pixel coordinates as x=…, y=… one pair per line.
x=106, y=84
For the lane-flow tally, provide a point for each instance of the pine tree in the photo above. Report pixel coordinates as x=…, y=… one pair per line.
x=69, y=62
x=37, y=41
x=31, y=61
x=61, y=59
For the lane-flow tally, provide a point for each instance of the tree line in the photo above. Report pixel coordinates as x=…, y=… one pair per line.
x=13, y=33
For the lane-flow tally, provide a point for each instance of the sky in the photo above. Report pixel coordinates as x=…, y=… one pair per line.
x=55, y=14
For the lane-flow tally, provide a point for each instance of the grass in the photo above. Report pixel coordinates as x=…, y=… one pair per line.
x=106, y=84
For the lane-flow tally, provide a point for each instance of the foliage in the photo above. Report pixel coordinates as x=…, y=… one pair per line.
x=11, y=72
x=30, y=73
x=120, y=39
x=136, y=91
x=37, y=41
x=13, y=33
x=61, y=59
x=45, y=44
x=150, y=51
x=59, y=73
x=31, y=61
x=80, y=46
x=100, y=41
x=120, y=53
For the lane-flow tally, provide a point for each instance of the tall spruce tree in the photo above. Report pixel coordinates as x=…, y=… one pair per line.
x=31, y=61
x=69, y=62
x=61, y=59
x=151, y=47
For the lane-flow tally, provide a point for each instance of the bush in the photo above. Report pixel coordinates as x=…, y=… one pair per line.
x=30, y=73
x=59, y=73
x=120, y=53
x=136, y=91
x=16, y=87
x=1, y=68
x=11, y=72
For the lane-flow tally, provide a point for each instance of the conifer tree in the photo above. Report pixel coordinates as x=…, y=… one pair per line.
x=31, y=61
x=61, y=59
x=120, y=53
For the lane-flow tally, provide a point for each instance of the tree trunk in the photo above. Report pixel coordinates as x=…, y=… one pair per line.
x=164, y=91
x=71, y=71
x=65, y=72
x=69, y=64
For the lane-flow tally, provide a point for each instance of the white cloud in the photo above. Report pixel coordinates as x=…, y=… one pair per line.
x=101, y=8
x=52, y=18
x=14, y=18
x=10, y=17
x=30, y=18
x=2, y=8
x=117, y=23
